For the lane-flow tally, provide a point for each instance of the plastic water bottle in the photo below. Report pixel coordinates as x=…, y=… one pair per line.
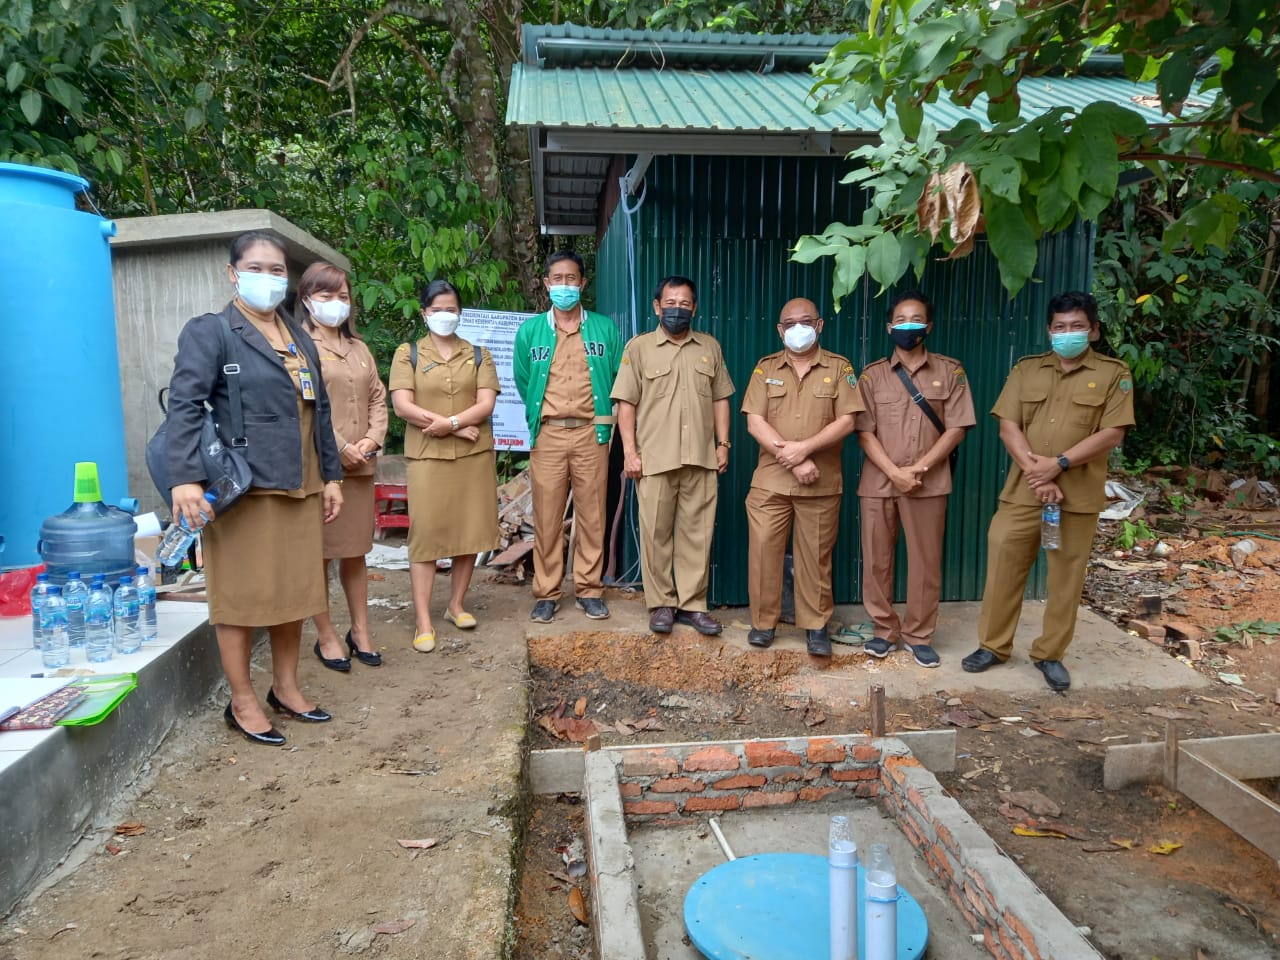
x=99, y=639
x=75, y=593
x=38, y=593
x=127, y=614
x=880, y=911
x=1051, y=526
x=56, y=651
x=224, y=491
x=146, y=605
x=842, y=861
x=179, y=537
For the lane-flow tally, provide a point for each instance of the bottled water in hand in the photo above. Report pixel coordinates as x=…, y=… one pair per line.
x=75, y=593
x=56, y=651
x=98, y=634
x=127, y=610
x=179, y=537
x=1051, y=526
x=146, y=605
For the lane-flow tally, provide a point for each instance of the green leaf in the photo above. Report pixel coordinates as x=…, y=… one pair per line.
x=193, y=119
x=31, y=103
x=1013, y=242
x=1002, y=176
x=1174, y=82
x=64, y=93
x=850, y=266
x=1024, y=144
x=14, y=76
x=203, y=92
x=884, y=260
x=1052, y=203
x=1093, y=146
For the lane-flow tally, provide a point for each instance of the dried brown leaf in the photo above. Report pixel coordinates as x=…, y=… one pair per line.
x=425, y=844
x=130, y=828
x=576, y=730
x=393, y=927
x=929, y=207
x=578, y=906
x=580, y=707
x=1034, y=801
x=958, y=718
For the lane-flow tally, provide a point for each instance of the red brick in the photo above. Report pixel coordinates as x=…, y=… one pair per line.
x=937, y=856
x=866, y=754
x=771, y=753
x=677, y=785
x=908, y=826
x=918, y=801
x=711, y=758
x=788, y=775
x=743, y=781
x=974, y=877
x=974, y=896
x=640, y=808
x=630, y=790
x=648, y=763
x=1151, y=631
x=1024, y=936
x=866, y=773
x=948, y=840
x=730, y=802
x=993, y=945
x=1010, y=944
x=817, y=793
x=969, y=917
x=867, y=788
x=775, y=799
x=895, y=766
x=824, y=750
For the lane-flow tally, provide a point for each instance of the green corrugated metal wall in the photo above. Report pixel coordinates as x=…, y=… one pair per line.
x=728, y=222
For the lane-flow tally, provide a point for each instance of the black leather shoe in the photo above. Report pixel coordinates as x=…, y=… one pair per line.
x=981, y=659
x=341, y=664
x=307, y=716
x=1055, y=674
x=760, y=638
x=271, y=738
x=370, y=658
x=818, y=642
x=700, y=620
x=660, y=619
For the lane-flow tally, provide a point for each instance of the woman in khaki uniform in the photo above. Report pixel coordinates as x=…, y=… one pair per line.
x=446, y=402
x=358, y=403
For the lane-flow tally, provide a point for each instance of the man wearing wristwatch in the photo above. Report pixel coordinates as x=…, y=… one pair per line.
x=800, y=405
x=1060, y=414
x=673, y=418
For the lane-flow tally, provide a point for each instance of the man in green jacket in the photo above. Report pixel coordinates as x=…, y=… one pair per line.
x=564, y=364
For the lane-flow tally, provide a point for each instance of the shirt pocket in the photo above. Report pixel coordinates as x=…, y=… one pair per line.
x=825, y=389
x=657, y=381
x=776, y=394
x=702, y=379
x=1086, y=410
x=890, y=404
x=1032, y=404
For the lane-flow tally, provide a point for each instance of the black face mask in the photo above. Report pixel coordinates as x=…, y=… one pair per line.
x=906, y=339
x=676, y=319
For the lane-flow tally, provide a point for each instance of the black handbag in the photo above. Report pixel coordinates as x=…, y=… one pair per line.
x=219, y=459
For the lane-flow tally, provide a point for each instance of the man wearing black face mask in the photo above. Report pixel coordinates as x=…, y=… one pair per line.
x=673, y=418
x=918, y=407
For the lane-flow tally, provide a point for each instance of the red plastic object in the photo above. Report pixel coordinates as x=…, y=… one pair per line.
x=386, y=496
x=15, y=591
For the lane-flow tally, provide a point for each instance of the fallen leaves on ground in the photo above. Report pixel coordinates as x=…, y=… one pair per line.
x=813, y=716
x=424, y=844
x=958, y=718
x=631, y=727
x=1024, y=831
x=568, y=728
x=1034, y=802
x=393, y=927
x=1169, y=713
x=130, y=828
x=578, y=906
x=1164, y=847
x=580, y=707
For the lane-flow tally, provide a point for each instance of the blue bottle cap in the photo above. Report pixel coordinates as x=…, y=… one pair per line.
x=73, y=575
x=54, y=590
x=126, y=579
x=42, y=578
x=142, y=570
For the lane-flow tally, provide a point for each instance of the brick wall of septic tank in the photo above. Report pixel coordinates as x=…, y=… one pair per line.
x=992, y=894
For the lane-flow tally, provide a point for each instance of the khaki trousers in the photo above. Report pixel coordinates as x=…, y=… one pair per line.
x=677, y=519
x=923, y=520
x=1012, y=543
x=812, y=524
x=565, y=457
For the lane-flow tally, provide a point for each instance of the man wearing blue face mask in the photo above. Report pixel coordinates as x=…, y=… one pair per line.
x=564, y=363
x=1060, y=414
x=918, y=407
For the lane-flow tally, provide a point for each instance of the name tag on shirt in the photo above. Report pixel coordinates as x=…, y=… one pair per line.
x=774, y=383
x=306, y=383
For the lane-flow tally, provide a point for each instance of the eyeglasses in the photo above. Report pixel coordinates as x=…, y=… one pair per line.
x=802, y=322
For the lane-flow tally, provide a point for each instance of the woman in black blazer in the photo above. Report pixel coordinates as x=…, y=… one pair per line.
x=260, y=557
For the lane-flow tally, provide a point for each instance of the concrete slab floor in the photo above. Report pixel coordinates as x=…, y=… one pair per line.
x=669, y=859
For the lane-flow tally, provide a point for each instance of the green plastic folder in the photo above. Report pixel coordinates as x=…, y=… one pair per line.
x=102, y=695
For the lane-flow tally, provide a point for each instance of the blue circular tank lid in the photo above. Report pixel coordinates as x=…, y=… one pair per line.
x=20, y=183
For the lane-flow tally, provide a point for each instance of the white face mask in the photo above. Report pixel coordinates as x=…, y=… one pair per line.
x=330, y=313
x=442, y=323
x=800, y=338
x=262, y=291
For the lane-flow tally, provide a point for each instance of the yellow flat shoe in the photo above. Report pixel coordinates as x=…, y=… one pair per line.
x=463, y=621
x=425, y=642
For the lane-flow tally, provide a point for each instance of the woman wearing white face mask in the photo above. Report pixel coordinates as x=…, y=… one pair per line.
x=446, y=399
x=359, y=404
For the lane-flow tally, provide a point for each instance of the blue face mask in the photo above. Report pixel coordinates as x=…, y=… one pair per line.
x=908, y=335
x=564, y=296
x=262, y=291
x=1071, y=344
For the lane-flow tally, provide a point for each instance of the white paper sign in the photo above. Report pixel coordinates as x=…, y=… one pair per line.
x=496, y=331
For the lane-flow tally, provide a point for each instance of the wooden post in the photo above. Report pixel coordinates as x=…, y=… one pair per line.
x=877, y=710
x=1171, y=754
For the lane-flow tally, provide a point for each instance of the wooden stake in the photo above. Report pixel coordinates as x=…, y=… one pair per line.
x=877, y=710
x=1171, y=754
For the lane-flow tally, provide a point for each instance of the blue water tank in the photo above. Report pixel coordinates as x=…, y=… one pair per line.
x=59, y=368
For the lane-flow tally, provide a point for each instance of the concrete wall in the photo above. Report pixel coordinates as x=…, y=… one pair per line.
x=165, y=271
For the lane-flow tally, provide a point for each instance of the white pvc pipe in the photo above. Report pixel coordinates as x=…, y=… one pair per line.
x=724, y=844
x=880, y=916
x=842, y=858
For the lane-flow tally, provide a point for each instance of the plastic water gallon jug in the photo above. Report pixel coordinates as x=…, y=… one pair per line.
x=88, y=536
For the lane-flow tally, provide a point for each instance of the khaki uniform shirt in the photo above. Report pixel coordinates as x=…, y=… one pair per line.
x=902, y=427
x=1057, y=410
x=799, y=408
x=357, y=398
x=568, y=392
x=446, y=387
x=673, y=386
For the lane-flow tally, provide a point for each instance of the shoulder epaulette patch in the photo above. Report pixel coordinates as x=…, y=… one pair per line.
x=1126, y=385
x=961, y=379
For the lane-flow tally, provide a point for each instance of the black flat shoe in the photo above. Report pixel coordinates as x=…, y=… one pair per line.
x=341, y=664
x=1055, y=674
x=980, y=660
x=370, y=658
x=308, y=716
x=272, y=737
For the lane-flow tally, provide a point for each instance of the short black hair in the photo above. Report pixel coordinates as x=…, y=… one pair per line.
x=565, y=255
x=1071, y=301
x=918, y=296
x=675, y=280
x=437, y=288
x=247, y=239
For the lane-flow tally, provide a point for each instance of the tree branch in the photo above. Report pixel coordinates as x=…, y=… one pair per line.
x=1256, y=172
x=433, y=16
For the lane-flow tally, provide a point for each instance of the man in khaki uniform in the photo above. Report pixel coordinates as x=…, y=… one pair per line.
x=800, y=404
x=673, y=417
x=907, y=475
x=1060, y=414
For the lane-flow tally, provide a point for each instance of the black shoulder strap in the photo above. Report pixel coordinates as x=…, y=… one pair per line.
x=918, y=398
x=413, y=355
x=231, y=372
x=475, y=352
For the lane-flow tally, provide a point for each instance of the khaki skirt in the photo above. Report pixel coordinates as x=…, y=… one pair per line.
x=351, y=535
x=260, y=561
x=453, y=507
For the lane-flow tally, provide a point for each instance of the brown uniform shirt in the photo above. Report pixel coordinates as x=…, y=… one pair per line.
x=673, y=386
x=568, y=392
x=357, y=398
x=797, y=409
x=902, y=427
x=446, y=387
x=1057, y=410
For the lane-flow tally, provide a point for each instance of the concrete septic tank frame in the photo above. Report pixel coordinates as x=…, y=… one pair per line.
x=673, y=782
